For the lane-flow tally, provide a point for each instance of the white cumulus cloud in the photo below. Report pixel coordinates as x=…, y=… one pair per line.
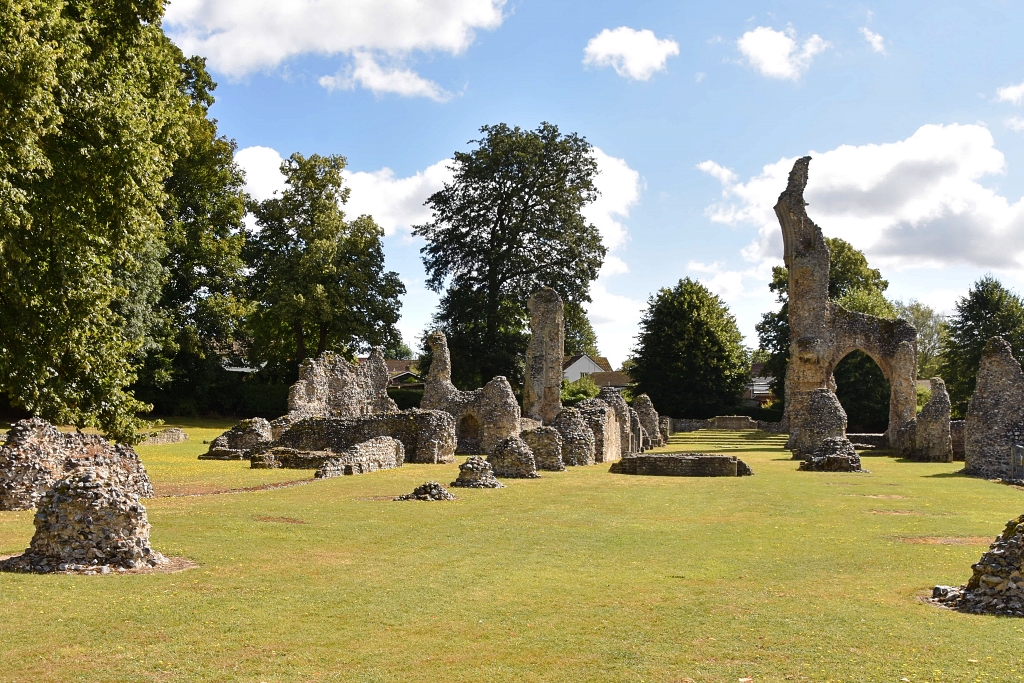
x=876, y=41
x=1011, y=93
x=911, y=203
x=262, y=166
x=395, y=203
x=719, y=173
x=1016, y=124
x=633, y=54
x=777, y=54
x=366, y=72
x=242, y=37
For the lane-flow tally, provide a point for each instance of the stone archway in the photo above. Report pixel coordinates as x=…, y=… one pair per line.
x=822, y=332
x=467, y=434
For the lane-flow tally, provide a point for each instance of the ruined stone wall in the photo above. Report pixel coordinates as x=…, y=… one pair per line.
x=88, y=522
x=681, y=465
x=649, y=420
x=36, y=455
x=483, y=417
x=577, y=438
x=688, y=425
x=542, y=391
x=822, y=333
x=604, y=424
x=546, y=445
x=513, y=459
x=238, y=442
x=428, y=436
x=628, y=442
x=330, y=386
x=931, y=432
x=732, y=422
x=379, y=453
x=995, y=415
x=166, y=437
x=823, y=418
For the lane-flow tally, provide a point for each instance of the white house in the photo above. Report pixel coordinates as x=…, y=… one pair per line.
x=580, y=365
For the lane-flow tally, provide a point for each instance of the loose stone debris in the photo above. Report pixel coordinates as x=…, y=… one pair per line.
x=36, y=455
x=429, y=491
x=88, y=523
x=997, y=585
x=476, y=473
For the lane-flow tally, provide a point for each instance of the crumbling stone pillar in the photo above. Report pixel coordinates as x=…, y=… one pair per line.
x=995, y=415
x=931, y=434
x=542, y=391
x=644, y=408
x=823, y=418
x=577, y=438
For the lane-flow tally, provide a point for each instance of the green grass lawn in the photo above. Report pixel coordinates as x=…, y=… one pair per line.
x=576, y=576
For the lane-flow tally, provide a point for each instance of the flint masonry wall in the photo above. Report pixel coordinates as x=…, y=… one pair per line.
x=542, y=391
x=995, y=415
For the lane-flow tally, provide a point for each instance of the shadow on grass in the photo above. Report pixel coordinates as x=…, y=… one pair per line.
x=945, y=475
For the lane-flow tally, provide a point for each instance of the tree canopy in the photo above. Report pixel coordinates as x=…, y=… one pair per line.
x=507, y=224
x=689, y=356
x=988, y=310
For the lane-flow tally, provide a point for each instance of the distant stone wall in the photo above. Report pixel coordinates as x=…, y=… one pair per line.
x=166, y=437
x=771, y=427
x=732, y=422
x=995, y=415
x=330, y=386
x=380, y=453
x=427, y=436
x=483, y=417
x=36, y=455
x=686, y=425
x=682, y=465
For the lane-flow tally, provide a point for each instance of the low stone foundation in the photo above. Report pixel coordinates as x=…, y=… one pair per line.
x=88, y=523
x=997, y=585
x=166, y=437
x=866, y=441
x=732, y=422
x=682, y=465
x=380, y=453
x=476, y=473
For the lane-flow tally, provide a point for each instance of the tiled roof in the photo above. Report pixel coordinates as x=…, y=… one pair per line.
x=601, y=361
x=611, y=379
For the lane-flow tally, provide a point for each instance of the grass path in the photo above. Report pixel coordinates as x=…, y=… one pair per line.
x=576, y=576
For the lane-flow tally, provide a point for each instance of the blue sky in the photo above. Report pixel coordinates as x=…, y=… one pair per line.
x=913, y=112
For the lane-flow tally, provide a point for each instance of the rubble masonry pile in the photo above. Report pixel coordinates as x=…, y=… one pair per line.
x=834, y=454
x=476, y=473
x=36, y=455
x=546, y=445
x=577, y=438
x=682, y=465
x=997, y=585
x=513, y=459
x=429, y=491
x=88, y=523
x=238, y=442
x=380, y=453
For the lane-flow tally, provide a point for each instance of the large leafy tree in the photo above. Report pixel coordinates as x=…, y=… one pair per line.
x=91, y=113
x=930, y=329
x=202, y=304
x=579, y=333
x=861, y=386
x=508, y=224
x=989, y=309
x=318, y=281
x=689, y=357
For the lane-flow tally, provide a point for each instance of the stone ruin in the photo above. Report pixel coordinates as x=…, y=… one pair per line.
x=166, y=437
x=476, y=473
x=341, y=421
x=822, y=332
x=733, y=423
x=513, y=459
x=682, y=465
x=483, y=417
x=88, y=522
x=600, y=418
x=834, y=454
x=546, y=445
x=429, y=491
x=997, y=584
x=238, y=442
x=426, y=436
x=330, y=386
x=36, y=455
x=665, y=428
x=542, y=391
x=648, y=416
x=995, y=415
x=932, y=440
x=823, y=418
x=577, y=438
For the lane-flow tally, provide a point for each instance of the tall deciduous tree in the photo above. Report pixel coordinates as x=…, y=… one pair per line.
x=508, y=224
x=91, y=116
x=689, y=357
x=318, y=281
x=930, y=329
x=989, y=309
x=579, y=333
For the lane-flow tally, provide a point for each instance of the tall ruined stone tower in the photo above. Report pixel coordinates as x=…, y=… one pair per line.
x=822, y=332
x=542, y=393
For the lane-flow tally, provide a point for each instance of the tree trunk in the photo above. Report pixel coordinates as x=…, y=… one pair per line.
x=322, y=344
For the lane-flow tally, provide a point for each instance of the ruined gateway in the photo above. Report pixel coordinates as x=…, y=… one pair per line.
x=823, y=332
